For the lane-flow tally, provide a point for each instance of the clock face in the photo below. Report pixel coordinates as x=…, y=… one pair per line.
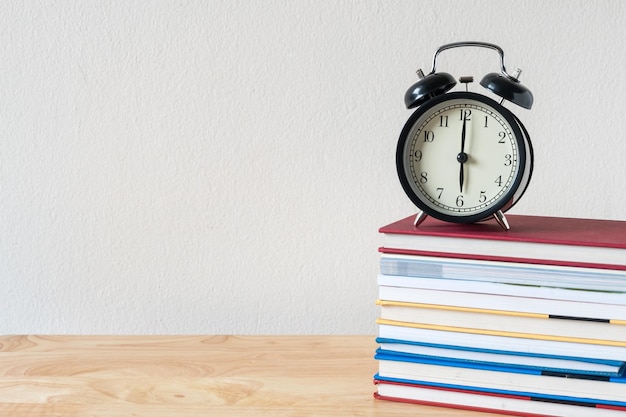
x=461, y=157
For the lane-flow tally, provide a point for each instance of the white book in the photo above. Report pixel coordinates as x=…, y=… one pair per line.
x=593, y=279
x=608, y=312
x=501, y=321
x=498, y=288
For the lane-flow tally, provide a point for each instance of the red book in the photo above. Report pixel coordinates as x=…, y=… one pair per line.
x=467, y=399
x=590, y=243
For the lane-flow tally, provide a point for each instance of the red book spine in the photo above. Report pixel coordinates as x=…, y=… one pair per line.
x=501, y=259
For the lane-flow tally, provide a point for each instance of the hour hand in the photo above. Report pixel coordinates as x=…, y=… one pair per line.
x=462, y=158
x=461, y=179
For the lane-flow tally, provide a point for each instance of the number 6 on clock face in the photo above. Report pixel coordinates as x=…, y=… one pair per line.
x=461, y=157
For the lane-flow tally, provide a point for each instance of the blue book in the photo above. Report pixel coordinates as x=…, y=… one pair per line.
x=587, y=387
x=524, y=360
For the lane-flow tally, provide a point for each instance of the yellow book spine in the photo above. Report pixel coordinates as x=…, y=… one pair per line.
x=502, y=333
x=463, y=309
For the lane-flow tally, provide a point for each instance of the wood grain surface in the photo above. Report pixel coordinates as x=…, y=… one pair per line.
x=181, y=376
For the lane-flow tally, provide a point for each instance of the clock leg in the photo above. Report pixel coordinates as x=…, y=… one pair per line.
x=499, y=216
x=421, y=216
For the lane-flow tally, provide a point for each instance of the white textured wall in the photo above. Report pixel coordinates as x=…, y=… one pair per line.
x=223, y=166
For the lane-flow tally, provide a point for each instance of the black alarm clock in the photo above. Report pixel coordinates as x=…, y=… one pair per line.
x=463, y=157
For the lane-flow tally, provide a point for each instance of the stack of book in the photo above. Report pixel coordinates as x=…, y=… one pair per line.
x=530, y=321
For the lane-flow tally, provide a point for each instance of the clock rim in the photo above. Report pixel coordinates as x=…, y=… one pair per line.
x=508, y=200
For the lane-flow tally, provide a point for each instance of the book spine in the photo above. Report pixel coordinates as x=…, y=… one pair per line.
x=551, y=262
x=503, y=333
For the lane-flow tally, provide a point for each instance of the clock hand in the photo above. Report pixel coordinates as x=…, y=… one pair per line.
x=463, y=136
x=461, y=179
x=462, y=156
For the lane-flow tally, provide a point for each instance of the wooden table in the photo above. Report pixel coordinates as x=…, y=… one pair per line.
x=184, y=376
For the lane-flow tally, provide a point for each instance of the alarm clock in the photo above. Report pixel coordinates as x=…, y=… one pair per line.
x=463, y=157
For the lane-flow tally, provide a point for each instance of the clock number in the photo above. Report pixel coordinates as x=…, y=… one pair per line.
x=417, y=155
x=499, y=181
x=459, y=201
x=465, y=114
x=443, y=121
x=502, y=137
x=440, y=191
x=507, y=160
x=429, y=135
x=486, y=118
x=424, y=177
x=482, y=198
